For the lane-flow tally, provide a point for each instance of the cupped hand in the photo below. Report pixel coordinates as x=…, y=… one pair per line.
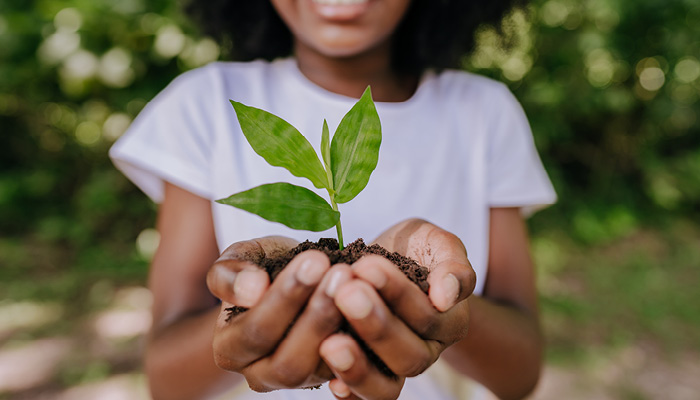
x=405, y=328
x=275, y=344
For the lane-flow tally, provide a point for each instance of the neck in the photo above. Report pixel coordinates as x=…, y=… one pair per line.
x=350, y=76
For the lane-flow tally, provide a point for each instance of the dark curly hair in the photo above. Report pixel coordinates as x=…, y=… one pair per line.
x=433, y=33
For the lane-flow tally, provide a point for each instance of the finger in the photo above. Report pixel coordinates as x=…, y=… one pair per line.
x=255, y=333
x=452, y=278
x=255, y=250
x=410, y=304
x=352, y=367
x=341, y=390
x=236, y=277
x=451, y=281
x=404, y=297
x=237, y=282
x=295, y=362
x=401, y=349
x=450, y=269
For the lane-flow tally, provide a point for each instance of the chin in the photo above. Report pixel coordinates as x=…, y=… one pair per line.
x=342, y=45
x=346, y=51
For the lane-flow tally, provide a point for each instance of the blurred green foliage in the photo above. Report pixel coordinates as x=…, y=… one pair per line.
x=73, y=74
x=611, y=88
x=636, y=289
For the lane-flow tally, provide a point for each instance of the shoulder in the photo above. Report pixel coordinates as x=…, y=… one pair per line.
x=217, y=74
x=466, y=79
x=463, y=86
x=206, y=90
x=231, y=70
x=479, y=100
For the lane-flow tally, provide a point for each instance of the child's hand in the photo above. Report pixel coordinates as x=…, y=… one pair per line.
x=406, y=329
x=236, y=277
x=451, y=276
x=272, y=344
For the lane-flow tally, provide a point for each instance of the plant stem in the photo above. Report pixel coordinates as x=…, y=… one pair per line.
x=331, y=194
x=338, y=227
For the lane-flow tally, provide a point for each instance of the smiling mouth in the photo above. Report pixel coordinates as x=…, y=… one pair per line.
x=339, y=2
x=341, y=10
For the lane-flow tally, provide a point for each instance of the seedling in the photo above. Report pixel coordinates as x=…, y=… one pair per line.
x=348, y=162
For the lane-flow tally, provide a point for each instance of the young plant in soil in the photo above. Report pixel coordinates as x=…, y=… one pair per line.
x=348, y=161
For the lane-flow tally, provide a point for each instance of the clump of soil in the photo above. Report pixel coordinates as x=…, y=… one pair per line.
x=351, y=253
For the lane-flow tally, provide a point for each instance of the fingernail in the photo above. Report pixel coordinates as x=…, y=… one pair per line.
x=355, y=305
x=334, y=283
x=341, y=360
x=226, y=274
x=340, y=390
x=248, y=287
x=450, y=287
x=310, y=272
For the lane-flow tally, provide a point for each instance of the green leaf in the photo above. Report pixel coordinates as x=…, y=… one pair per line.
x=326, y=153
x=291, y=205
x=355, y=149
x=325, y=147
x=280, y=144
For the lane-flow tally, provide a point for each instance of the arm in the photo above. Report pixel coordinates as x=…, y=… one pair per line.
x=503, y=349
x=179, y=362
x=503, y=345
x=192, y=345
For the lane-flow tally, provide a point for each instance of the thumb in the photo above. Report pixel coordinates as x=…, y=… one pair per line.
x=236, y=278
x=450, y=282
x=238, y=282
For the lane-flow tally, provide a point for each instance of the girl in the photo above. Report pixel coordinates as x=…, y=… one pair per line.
x=456, y=150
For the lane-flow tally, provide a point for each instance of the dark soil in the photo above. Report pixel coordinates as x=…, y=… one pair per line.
x=352, y=252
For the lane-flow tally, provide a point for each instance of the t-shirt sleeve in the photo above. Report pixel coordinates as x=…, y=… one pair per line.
x=170, y=140
x=516, y=177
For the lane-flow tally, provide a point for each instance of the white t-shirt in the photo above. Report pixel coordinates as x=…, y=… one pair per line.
x=459, y=146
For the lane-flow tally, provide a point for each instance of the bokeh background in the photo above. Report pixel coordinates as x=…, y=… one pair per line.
x=611, y=88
